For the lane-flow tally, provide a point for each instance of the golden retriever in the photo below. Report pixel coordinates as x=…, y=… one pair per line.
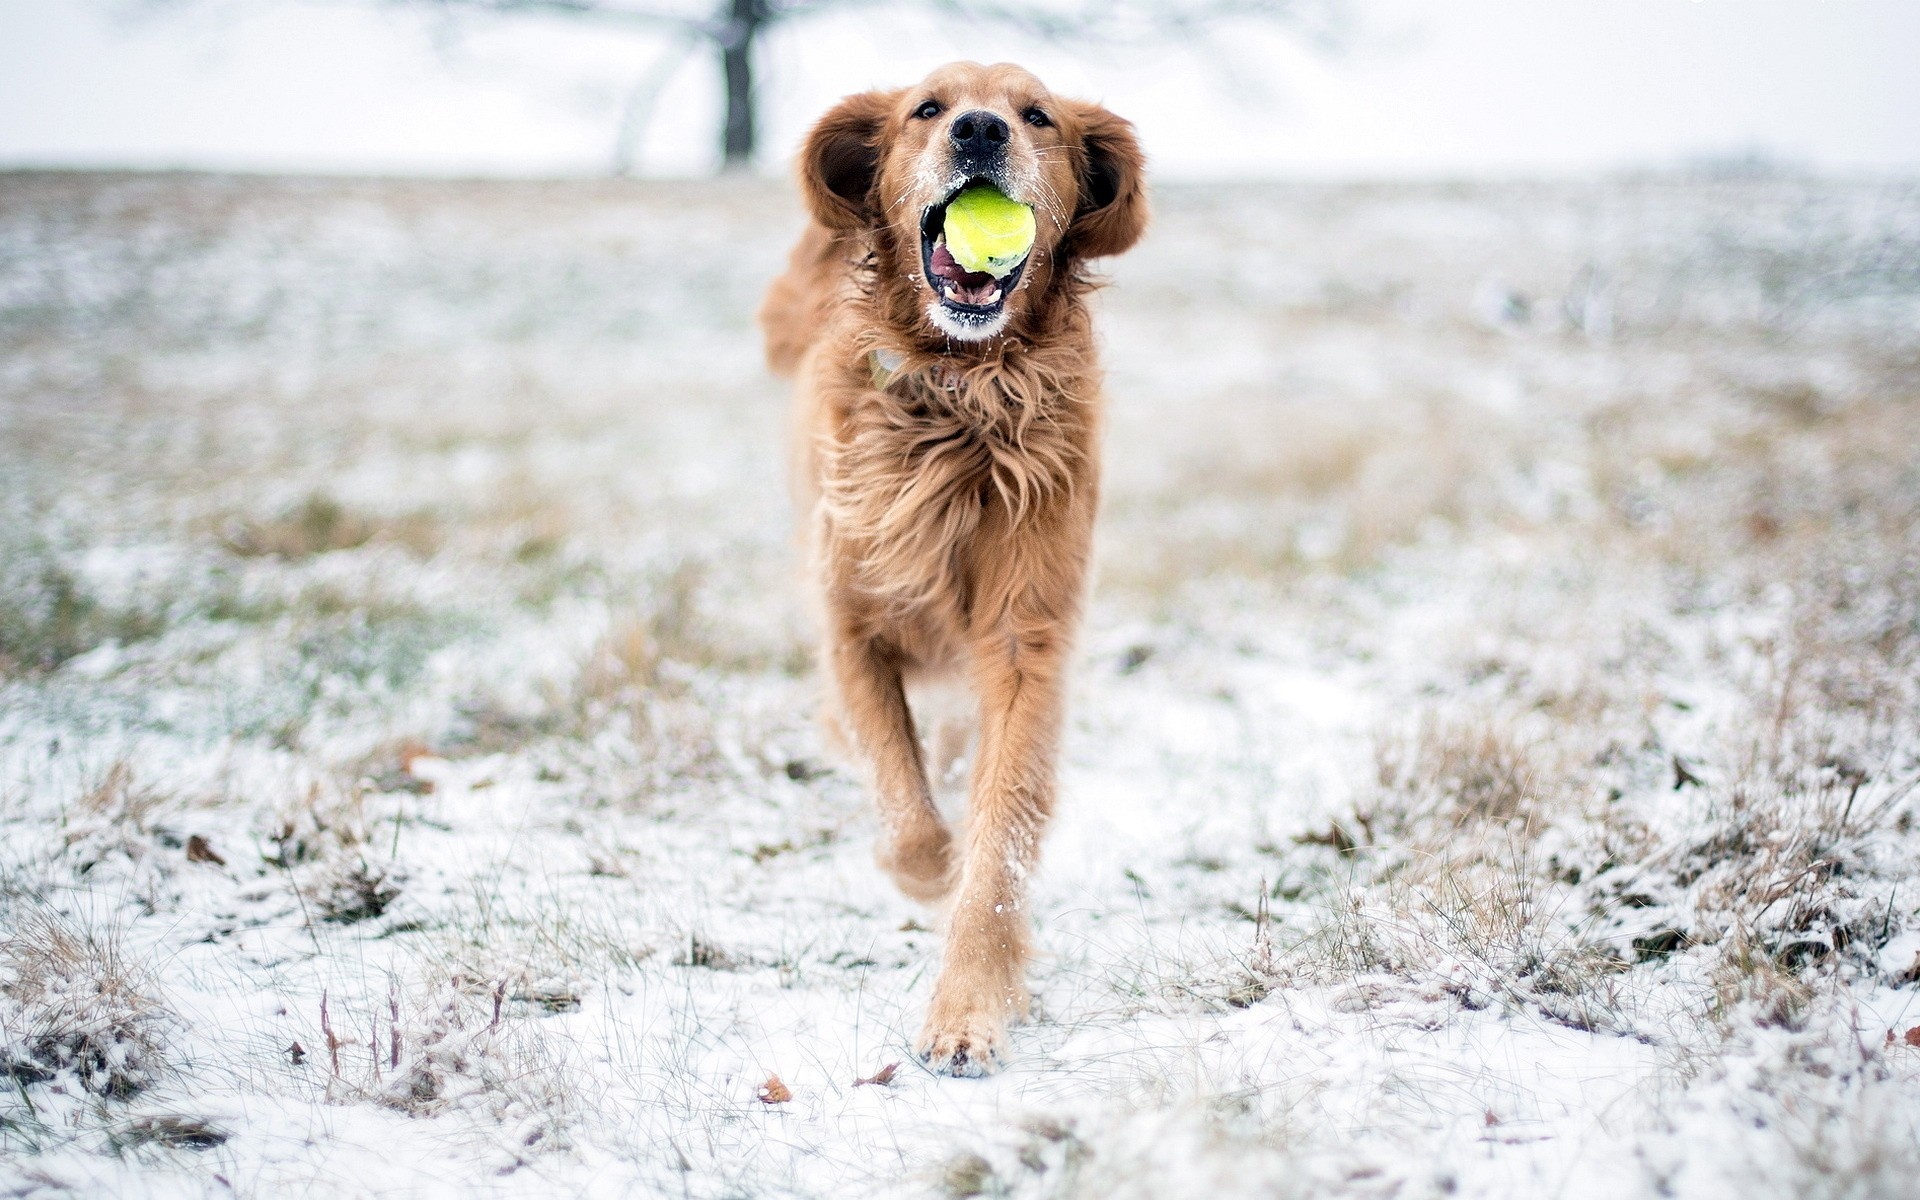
x=946, y=460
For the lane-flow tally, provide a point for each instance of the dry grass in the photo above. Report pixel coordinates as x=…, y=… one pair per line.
x=49, y=615
x=75, y=1008
x=320, y=524
x=465, y=1047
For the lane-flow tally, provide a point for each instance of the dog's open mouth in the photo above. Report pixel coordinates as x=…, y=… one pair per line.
x=972, y=298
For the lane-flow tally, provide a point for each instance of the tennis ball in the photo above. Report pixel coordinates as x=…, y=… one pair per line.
x=988, y=232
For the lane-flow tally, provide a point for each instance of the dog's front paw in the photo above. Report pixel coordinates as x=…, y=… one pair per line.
x=975, y=1045
x=966, y=1029
x=921, y=865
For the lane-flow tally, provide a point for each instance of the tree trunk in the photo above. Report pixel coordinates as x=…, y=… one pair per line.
x=744, y=19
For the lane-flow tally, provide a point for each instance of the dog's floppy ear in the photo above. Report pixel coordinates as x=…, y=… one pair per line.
x=1113, y=192
x=840, y=161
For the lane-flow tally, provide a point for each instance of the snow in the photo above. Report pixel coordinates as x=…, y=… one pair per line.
x=509, y=746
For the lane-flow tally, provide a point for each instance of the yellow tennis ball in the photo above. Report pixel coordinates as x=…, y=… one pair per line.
x=988, y=232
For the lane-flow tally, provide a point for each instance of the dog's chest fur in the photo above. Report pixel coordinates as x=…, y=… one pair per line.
x=927, y=463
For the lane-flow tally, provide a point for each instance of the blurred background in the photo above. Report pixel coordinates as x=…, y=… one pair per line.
x=1235, y=89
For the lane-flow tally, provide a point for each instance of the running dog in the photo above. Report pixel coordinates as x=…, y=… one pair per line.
x=947, y=428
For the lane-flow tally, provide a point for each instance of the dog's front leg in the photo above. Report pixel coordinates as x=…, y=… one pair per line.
x=916, y=848
x=982, y=988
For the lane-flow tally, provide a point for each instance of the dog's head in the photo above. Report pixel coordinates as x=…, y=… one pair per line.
x=889, y=163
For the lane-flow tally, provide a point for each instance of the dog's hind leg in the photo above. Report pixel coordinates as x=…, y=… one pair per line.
x=945, y=712
x=916, y=848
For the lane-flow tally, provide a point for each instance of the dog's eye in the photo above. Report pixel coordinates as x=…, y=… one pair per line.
x=928, y=111
x=1036, y=118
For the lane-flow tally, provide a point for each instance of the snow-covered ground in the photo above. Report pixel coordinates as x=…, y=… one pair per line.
x=1491, y=769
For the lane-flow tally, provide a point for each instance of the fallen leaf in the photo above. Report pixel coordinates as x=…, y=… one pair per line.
x=199, y=849
x=883, y=1077
x=1913, y=1036
x=1682, y=777
x=773, y=1091
x=416, y=762
x=411, y=752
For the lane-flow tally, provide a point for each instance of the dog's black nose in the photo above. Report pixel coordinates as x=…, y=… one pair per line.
x=978, y=132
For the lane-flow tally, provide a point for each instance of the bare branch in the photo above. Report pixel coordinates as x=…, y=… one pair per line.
x=733, y=26
x=1116, y=22
x=664, y=16
x=641, y=101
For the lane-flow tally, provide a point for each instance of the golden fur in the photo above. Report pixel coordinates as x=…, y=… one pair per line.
x=951, y=483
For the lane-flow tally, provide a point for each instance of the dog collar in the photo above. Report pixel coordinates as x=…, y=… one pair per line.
x=884, y=363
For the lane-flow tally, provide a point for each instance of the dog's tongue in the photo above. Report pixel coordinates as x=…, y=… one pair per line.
x=955, y=273
x=970, y=287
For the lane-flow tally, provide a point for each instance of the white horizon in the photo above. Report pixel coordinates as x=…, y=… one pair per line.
x=1483, y=89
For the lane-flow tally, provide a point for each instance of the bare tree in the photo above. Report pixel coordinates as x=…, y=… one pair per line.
x=732, y=29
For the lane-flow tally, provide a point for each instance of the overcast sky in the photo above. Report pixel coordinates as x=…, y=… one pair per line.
x=1445, y=87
